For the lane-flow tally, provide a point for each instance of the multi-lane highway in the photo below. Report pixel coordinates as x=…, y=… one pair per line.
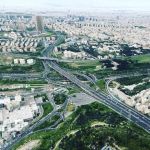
x=109, y=101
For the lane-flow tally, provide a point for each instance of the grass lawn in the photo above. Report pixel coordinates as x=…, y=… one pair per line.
x=141, y=58
x=47, y=109
x=34, y=82
x=83, y=65
x=101, y=84
x=73, y=90
x=35, y=68
x=49, y=33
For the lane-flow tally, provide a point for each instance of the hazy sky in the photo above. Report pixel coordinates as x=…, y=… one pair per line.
x=73, y=4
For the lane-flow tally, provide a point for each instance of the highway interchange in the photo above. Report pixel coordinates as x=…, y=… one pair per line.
x=108, y=100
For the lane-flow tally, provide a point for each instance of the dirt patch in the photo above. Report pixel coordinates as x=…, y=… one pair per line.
x=30, y=145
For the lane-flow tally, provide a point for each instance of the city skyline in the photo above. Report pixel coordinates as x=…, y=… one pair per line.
x=47, y=5
x=74, y=68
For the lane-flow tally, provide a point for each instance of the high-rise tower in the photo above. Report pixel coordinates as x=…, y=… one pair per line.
x=39, y=24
